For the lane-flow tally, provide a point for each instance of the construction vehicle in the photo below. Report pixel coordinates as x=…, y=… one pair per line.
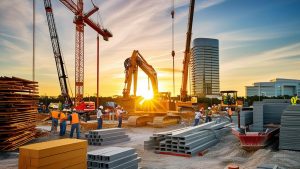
x=187, y=104
x=86, y=108
x=150, y=110
x=60, y=66
x=229, y=99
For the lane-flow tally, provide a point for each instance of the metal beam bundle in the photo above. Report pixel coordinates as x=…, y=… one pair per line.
x=188, y=141
x=113, y=158
x=107, y=136
x=18, y=103
x=289, y=137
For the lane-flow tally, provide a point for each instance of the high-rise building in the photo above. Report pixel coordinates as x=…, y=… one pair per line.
x=205, y=67
x=276, y=87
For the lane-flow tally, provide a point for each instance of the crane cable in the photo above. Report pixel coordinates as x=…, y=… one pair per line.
x=173, y=52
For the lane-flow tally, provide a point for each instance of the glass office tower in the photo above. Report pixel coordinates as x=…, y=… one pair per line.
x=205, y=67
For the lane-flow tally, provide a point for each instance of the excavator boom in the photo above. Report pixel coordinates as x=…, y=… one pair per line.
x=131, y=71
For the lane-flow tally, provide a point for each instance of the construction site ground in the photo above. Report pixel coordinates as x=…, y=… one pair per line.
x=226, y=152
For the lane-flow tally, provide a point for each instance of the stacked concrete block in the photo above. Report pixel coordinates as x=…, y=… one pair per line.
x=58, y=154
x=188, y=141
x=113, y=158
x=268, y=111
x=246, y=117
x=289, y=137
x=107, y=136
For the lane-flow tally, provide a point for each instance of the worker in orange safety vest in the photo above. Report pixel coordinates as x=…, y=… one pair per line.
x=63, y=123
x=54, y=116
x=74, y=119
x=229, y=111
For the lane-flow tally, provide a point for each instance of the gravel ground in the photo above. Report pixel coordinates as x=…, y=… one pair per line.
x=226, y=152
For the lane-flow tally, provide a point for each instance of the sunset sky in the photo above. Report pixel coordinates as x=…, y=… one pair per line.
x=259, y=41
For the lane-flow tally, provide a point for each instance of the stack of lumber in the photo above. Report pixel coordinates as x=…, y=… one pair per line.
x=290, y=128
x=18, y=111
x=187, y=141
x=113, y=158
x=58, y=154
x=106, y=136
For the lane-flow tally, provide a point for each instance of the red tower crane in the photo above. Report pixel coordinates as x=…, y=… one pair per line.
x=80, y=20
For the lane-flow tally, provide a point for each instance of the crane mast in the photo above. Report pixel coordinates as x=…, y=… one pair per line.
x=187, y=56
x=60, y=66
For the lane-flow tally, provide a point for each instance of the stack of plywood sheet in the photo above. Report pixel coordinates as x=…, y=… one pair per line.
x=18, y=111
x=107, y=136
x=113, y=158
x=63, y=153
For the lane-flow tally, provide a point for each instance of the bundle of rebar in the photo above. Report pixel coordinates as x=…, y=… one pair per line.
x=188, y=141
x=107, y=136
x=18, y=111
x=113, y=158
x=290, y=128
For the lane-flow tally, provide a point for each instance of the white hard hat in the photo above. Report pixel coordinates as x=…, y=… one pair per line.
x=101, y=107
x=226, y=108
x=208, y=108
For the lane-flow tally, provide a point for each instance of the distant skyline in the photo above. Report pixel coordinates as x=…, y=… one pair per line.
x=259, y=40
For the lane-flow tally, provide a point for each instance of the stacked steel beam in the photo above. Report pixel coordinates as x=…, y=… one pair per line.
x=188, y=141
x=18, y=111
x=113, y=158
x=106, y=136
x=290, y=128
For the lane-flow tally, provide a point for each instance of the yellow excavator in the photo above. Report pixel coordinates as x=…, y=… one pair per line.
x=144, y=111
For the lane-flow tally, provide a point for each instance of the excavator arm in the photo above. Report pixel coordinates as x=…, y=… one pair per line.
x=131, y=71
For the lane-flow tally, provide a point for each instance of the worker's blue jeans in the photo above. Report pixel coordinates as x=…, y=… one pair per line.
x=207, y=119
x=196, y=122
x=100, y=121
x=63, y=126
x=54, y=124
x=73, y=127
x=120, y=122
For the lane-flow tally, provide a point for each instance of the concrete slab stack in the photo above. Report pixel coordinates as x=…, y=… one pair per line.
x=289, y=137
x=18, y=112
x=246, y=117
x=268, y=111
x=107, y=136
x=113, y=158
x=188, y=141
x=58, y=154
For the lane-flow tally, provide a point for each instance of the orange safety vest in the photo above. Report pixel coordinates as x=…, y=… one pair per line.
x=62, y=117
x=54, y=114
x=230, y=112
x=75, y=118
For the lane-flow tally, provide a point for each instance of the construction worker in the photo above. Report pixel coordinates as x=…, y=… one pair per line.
x=119, y=116
x=74, y=119
x=208, y=114
x=229, y=112
x=54, y=116
x=99, y=117
x=63, y=122
x=197, y=117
